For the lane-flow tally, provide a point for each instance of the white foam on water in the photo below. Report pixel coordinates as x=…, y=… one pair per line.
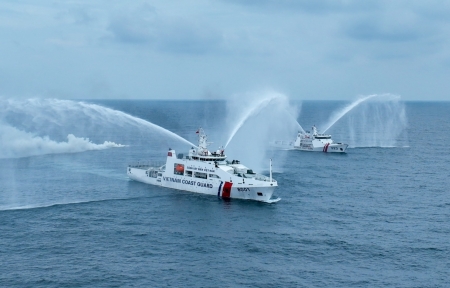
x=37, y=126
x=46, y=205
x=15, y=143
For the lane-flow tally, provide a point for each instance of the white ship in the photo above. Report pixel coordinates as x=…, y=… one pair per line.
x=208, y=173
x=312, y=142
x=318, y=142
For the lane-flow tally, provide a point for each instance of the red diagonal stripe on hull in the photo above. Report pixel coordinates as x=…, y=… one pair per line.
x=226, y=191
x=325, y=148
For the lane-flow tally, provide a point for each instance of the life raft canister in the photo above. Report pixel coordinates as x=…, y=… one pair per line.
x=179, y=168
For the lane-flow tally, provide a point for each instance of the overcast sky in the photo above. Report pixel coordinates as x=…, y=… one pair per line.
x=197, y=49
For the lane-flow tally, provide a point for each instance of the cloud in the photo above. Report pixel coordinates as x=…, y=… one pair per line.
x=386, y=31
x=130, y=31
x=398, y=31
x=181, y=36
x=307, y=6
x=171, y=34
x=135, y=48
x=134, y=26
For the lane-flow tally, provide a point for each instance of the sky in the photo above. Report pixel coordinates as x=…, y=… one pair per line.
x=205, y=49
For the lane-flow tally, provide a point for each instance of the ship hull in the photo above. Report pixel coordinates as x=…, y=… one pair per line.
x=246, y=189
x=327, y=148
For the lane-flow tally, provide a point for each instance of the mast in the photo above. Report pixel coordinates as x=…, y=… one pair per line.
x=270, y=169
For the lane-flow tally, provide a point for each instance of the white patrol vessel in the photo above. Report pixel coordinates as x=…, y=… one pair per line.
x=318, y=142
x=208, y=173
x=315, y=142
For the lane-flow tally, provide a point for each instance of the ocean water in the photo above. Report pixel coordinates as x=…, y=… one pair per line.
x=377, y=216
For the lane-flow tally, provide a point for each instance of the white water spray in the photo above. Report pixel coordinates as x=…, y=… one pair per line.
x=114, y=115
x=256, y=120
x=257, y=107
x=25, y=126
x=373, y=121
x=16, y=143
x=300, y=128
x=345, y=110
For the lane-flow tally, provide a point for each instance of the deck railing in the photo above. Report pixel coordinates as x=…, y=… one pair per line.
x=146, y=164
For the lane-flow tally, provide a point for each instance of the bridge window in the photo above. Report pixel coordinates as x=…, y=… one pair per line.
x=214, y=176
x=200, y=175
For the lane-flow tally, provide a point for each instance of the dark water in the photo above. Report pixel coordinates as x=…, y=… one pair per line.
x=375, y=217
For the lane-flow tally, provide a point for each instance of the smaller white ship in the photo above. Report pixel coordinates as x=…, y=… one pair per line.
x=318, y=142
x=202, y=171
x=314, y=142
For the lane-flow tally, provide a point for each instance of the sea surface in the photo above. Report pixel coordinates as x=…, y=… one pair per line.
x=377, y=216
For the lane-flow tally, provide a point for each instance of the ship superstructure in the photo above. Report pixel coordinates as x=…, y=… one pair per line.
x=318, y=142
x=206, y=172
